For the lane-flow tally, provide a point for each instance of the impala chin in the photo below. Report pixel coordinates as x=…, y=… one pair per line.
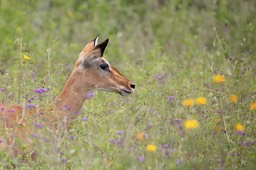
x=126, y=92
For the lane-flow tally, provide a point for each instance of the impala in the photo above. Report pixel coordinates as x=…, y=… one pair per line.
x=91, y=71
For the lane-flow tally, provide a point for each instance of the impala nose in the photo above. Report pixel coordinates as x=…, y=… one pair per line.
x=132, y=86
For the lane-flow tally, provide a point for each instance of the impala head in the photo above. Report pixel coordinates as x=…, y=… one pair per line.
x=98, y=73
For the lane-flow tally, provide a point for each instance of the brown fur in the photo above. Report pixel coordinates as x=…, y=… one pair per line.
x=17, y=122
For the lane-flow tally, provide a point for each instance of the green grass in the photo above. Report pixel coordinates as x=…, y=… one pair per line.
x=168, y=49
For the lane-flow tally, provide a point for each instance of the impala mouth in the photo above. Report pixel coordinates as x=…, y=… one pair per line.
x=125, y=92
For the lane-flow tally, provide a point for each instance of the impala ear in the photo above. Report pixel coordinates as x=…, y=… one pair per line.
x=95, y=40
x=91, y=44
x=102, y=46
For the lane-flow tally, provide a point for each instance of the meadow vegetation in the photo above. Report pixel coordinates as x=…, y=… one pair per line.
x=193, y=63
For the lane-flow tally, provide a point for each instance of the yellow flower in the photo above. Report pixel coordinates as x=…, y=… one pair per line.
x=253, y=106
x=26, y=57
x=191, y=124
x=240, y=127
x=140, y=136
x=233, y=98
x=188, y=103
x=201, y=100
x=219, y=78
x=70, y=13
x=151, y=148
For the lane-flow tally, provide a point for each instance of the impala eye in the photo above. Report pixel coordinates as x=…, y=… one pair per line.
x=104, y=66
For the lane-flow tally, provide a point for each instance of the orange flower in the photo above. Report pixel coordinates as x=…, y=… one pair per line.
x=201, y=100
x=191, y=124
x=219, y=78
x=240, y=127
x=253, y=106
x=233, y=98
x=140, y=136
x=188, y=103
x=151, y=148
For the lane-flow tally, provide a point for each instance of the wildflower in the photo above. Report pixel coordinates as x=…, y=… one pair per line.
x=1, y=140
x=165, y=146
x=39, y=125
x=241, y=133
x=2, y=89
x=140, y=136
x=90, y=95
x=201, y=100
x=121, y=133
x=41, y=90
x=219, y=78
x=171, y=98
x=180, y=161
x=246, y=143
x=233, y=98
x=191, y=124
x=31, y=106
x=85, y=119
x=240, y=127
x=151, y=148
x=141, y=159
x=188, y=103
x=253, y=106
x=69, y=13
x=64, y=160
x=26, y=57
x=72, y=137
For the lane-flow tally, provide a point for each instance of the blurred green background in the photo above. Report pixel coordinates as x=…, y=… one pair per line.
x=184, y=28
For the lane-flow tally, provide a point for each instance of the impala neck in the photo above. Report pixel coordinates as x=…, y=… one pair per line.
x=72, y=97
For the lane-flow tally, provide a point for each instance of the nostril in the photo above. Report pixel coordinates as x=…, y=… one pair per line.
x=132, y=86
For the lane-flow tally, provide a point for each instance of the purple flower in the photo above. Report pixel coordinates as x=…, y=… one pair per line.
x=85, y=119
x=161, y=77
x=31, y=99
x=121, y=133
x=235, y=154
x=1, y=140
x=64, y=160
x=241, y=133
x=246, y=143
x=171, y=98
x=165, y=146
x=39, y=125
x=141, y=159
x=178, y=121
x=41, y=90
x=72, y=137
x=31, y=106
x=117, y=142
x=35, y=135
x=32, y=74
x=79, y=112
x=2, y=109
x=10, y=95
x=67, y=107
x=55, y=150
x=90, y=95
x=11, y=110
x=180, y=161
x=2, y=89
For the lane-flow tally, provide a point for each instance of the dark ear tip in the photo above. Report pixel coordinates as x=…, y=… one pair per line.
x=106, y=41
x=102, y=46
